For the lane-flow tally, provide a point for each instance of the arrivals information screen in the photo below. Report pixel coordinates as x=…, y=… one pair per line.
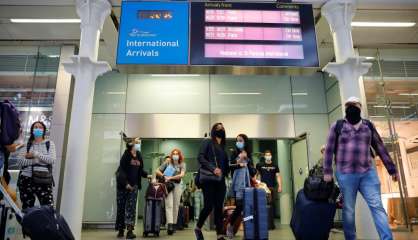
x=252, y=34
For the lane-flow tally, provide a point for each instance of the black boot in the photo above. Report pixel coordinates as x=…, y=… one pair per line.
x=170, y=229
x=121, y=233
x=130, y=234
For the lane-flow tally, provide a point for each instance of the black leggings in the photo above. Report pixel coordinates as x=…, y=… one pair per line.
x=214, y=196
x=237, y=212
x=29, y=190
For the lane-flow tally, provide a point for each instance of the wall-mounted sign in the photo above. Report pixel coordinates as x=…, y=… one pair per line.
x=252, y=34
x=154, y=33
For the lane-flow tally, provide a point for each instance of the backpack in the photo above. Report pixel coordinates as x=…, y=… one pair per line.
x=9, y=123
x=316, y=189
x=339, y=126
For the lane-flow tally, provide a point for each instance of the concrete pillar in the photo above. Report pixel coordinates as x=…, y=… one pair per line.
x=60, y=117
x=286, y=196
x=348, y=69
x=85, y=69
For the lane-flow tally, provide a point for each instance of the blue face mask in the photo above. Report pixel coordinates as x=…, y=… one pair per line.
x=240, y=145
x=37, y=132
x=138, y=147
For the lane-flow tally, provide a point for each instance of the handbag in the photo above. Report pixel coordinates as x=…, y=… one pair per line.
x=42, y=177
x=207, y=176
x=169, y=186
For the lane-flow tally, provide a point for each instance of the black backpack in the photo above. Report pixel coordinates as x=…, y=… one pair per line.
x=316, y=189
x=9, y=123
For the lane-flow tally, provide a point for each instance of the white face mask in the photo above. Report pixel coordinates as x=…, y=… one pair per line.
x=176, y=158
x=268, y=159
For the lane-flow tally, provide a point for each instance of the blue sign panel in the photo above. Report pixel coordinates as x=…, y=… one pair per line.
x=154, y=33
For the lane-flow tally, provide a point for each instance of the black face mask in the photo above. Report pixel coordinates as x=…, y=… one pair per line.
x=353, y=114
x=220, y=133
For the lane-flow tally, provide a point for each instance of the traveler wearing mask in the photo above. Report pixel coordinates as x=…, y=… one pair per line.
x=270, y=174
x=173, y=171
x=351, y=140
x=128, y=178
x=214, y=166
x=242, y=171
x=36, y=160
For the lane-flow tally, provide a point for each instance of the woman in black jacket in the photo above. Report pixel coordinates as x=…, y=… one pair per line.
x=214, y=166
x=129, y=174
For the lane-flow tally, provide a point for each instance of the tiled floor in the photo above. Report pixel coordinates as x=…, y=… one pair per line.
x=282, y=233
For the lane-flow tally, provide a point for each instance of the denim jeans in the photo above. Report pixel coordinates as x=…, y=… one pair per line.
x=368, y=185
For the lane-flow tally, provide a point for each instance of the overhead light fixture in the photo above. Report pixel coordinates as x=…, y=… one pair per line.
x=45, y=20
x=393, y=107
x=408, y=94
x=116, y=93
x=300, y=94
x=383, y=24
x=239, y=93
x=370, y=58
x=175, y=75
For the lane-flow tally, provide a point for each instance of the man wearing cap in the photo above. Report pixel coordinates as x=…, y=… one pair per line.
x=351, y=140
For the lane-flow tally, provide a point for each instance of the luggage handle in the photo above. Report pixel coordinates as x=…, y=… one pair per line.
x=10, y=201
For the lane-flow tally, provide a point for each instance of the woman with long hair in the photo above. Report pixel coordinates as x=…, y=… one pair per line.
x=214, y=166
x=172, y=172
x=242, y=170
x=35, y=161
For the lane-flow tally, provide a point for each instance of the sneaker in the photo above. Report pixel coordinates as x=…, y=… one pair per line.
x=121, y=233
x=130, y=235
x=230, y=231
x=199, y=234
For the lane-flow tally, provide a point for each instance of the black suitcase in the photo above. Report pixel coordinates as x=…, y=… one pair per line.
x=152, y=217
x=180, y=219
x=40, y=223
x=312, y=219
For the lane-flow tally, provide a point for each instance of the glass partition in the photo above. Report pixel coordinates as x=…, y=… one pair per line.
x=28, y=77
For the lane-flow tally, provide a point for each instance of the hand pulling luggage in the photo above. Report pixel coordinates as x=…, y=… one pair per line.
x=312, y=219
x=152, y=217
x=255, y=214
x=40, y=223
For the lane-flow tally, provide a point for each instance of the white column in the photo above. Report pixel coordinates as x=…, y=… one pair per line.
x=348, y=69
x=85, y=69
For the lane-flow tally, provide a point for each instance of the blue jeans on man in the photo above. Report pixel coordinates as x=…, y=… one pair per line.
x=368, y=185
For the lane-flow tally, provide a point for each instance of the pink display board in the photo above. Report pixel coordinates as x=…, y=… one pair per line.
x=252, y=16
x=259, y=51
x=253, y=33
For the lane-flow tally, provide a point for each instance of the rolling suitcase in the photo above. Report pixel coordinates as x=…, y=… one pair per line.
x=152, y=217
x=38, y=223
x=255, y=214
x=312, y=219
x=180, y=219
x=153, y=208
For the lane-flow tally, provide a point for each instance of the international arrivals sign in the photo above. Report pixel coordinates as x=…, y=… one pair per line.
x=217, y=33
x=154, y=33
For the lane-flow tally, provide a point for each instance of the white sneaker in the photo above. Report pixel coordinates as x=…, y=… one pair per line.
x=230, y=231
